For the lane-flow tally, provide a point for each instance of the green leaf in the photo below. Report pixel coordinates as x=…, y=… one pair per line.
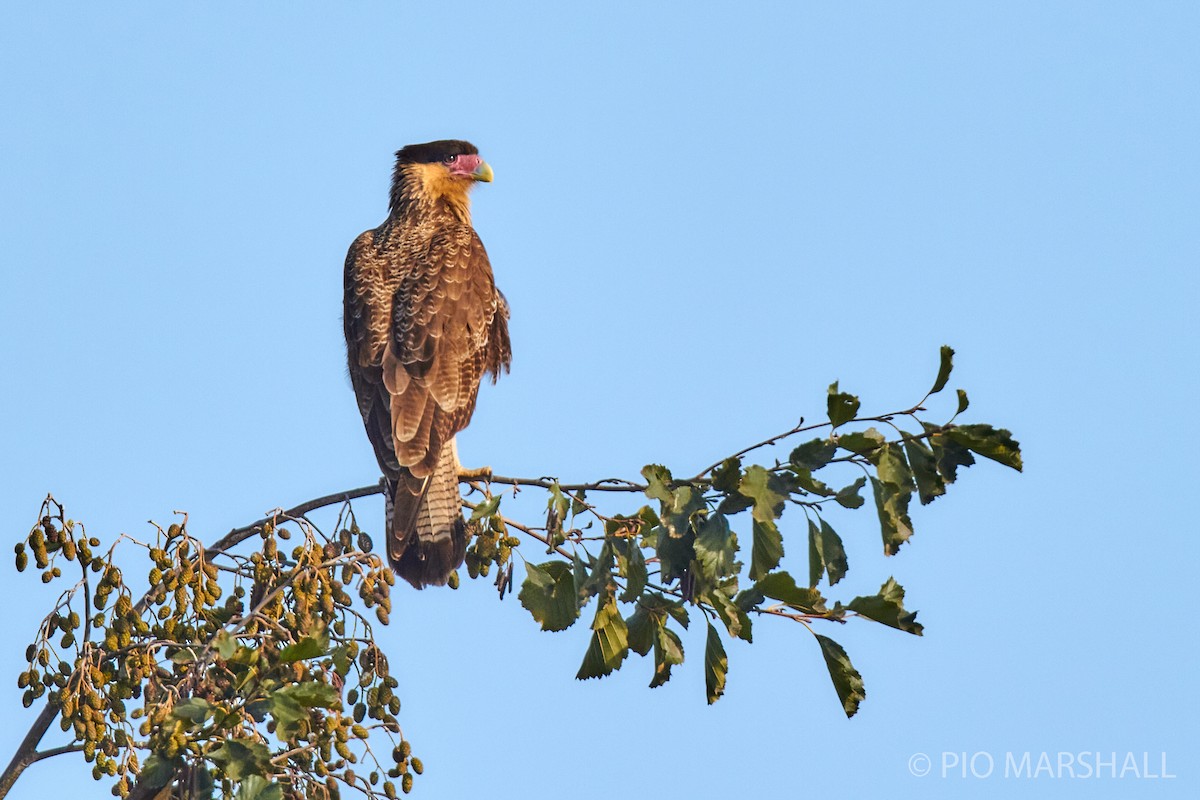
x=892, y=505
x=668, y=651
x=312, y=694
x=767, y=490
x=950, y=455
x=287, y=713
x=846, y=680
x=888, y=607
x=849, y=497
x=549, y=594
x=341, y=660
x=156, y=772
x=994, y=443
x=240, y=758
x=225, y=644
x=658, y=482
x=309, y=647
x=726, y=477
x=893, y=468
x=930, y=485
x=767, y=549
x=486, y=508
x=578, y=503
x=963, y=402
x=782, y=587
x=716, y=547
x=816, y=564
x=185, y=655
x=256, y=787
x=609, y=644
x=826, y=547
x=194, y=710
x=716, y=665
x=814, y=454
x=804, y=479
x=631, y=562
x=736, y=620
x=861, y=442
x=944, y=370
x=842, y=407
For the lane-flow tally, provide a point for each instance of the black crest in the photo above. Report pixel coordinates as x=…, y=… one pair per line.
x=432, y=152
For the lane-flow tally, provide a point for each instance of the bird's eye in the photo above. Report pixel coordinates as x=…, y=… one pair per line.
x=449, y=159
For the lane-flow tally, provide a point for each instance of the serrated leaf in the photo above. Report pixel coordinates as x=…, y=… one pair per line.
x=782, y=587
x=726, y=477
x=486, y=508
x=716, y=547
x=846, y=681
x=944, y=370
x=842, y=406
x=994, y=443
x=609, y=644
x=861, y=442
x=888, y=607
x=826, y=546
x=849, y=497
x=930, y=485
x=716, y=666
x=309, y=647
x=549, y=594
x=658, y=482
x=963, y=402
x=813, y=455
x=767, y=549
x=767, y=490
x=892, y=505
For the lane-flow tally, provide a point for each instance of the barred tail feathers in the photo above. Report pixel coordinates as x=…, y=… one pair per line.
x=428, y=536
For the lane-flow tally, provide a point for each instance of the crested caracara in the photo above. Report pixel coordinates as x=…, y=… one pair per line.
x=424, y=322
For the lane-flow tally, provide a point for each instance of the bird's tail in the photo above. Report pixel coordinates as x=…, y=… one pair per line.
x=427, y=539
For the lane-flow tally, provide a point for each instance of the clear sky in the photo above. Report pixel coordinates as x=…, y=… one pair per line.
x=701, y=217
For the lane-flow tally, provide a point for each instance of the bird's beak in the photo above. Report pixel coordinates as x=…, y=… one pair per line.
x=482, y=173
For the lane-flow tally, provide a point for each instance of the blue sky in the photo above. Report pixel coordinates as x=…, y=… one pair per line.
x=701, y=217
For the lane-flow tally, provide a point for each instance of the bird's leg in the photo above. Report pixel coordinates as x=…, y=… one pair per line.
x=464, y=474
x=476, y=474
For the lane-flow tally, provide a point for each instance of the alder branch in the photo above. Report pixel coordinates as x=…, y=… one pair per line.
x=27, y=752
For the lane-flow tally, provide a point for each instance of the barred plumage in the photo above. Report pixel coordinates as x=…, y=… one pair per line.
x=423, y=322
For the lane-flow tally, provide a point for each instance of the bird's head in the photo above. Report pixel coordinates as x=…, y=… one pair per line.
x=443, y=170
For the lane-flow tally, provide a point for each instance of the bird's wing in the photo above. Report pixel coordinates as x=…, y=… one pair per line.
x=444, y=315
x=367, y=323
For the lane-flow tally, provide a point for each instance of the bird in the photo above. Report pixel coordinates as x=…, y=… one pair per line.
x=424, y=324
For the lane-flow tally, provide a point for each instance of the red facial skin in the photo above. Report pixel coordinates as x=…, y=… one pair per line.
x=464, y=166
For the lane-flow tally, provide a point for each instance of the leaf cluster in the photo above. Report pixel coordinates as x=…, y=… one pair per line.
x=714, y=542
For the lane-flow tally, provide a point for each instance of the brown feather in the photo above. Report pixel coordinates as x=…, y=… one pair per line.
x=423, y=322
